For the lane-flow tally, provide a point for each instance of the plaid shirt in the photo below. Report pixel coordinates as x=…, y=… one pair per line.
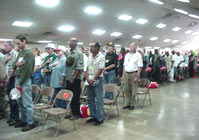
x=9, y=64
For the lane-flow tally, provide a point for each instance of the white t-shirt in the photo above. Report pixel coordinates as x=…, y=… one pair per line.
x=132, y=62
x=85, y=62
x=174, y=58
x=38, y=61
x=178, y=60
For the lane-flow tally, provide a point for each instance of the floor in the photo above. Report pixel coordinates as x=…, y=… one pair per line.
x=174, y=115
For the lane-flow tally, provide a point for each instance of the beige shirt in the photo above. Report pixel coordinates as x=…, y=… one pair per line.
x=95, y=64
x=132, y=62
x=2, y=69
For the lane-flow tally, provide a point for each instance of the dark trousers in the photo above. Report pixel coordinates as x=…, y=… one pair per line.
x=2, y=101
x=157, y=74
x=14, y=107
x=76, y=89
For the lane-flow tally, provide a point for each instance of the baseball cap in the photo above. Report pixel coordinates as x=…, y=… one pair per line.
x=51, y=46
x=111, y=44
x=61, y=48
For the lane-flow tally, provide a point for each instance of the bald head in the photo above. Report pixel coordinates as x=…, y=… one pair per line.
x=133, y=47
x=72, y=42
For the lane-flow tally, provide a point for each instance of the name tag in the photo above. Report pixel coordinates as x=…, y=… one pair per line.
x=107, y=61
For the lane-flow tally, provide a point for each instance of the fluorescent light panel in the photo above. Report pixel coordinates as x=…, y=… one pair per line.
x=92, y=10
x=187, y=1
x=181, y=11
x=185, y=42
x=125, y=17
x=141, y=21
x=194, y=16
x=116, y=34
x=5, y=39
x=118, y=45
x=153, y=38
x=137, y=37
x=44, y=41
x=195, y=33
x=188, y=32
x=161, y=25
x=148, y=47
x=22, y=24
x=157, y=2
x=176, y=29
x=80, y=43
x=167, y=40
x=156, y=47
x=175, y=41
x=66, y=28
x=47, y=3
x=98, y=32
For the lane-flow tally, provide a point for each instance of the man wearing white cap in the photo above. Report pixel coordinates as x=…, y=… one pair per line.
x=47, y=61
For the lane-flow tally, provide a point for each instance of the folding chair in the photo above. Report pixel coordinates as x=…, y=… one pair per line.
x=67, y=96
x=109, y=102
x=45, y=92
x=143, y=89
x=83, y=97
x=36, y=92
x=120, y=87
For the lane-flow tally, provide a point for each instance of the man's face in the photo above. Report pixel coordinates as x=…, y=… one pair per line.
x=20, y=44
x=72, y=43
x=93, y=49
x=8, y=48
x=110, y=49
x=132, y=48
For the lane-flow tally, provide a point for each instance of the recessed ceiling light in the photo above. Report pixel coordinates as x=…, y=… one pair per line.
x=98, y=32
x=176, y=29
x=5, y=39
x=66, y=28
x=44, y=41
x=125, y=17
x=148, y=47
x=118, y=45
x=92, y=10
x=188, y=32
x=156, y=47
x=167, y=40
x=161, y=25
x=195, y=33
x=22, y=24
x=116, y=34
x=48, y=3
x=141, y=21
x=157, y=2
x=175, y=41
x=153, y=38
x=185, y=42
x=167, y=48
x=80, y=43
x=187, y=1
x=137, y=37
x=181, y=11
x=194, y=16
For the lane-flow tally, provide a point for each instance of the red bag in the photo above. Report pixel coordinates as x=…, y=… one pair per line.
x=148, y=69
x=153, y=85
x=84, y=111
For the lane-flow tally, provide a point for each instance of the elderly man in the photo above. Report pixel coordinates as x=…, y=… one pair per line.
x=132, y=68
x=75, y=66
x=23, y=69
x=94, y=77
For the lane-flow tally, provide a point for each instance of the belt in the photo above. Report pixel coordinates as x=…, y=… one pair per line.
x=131, y=72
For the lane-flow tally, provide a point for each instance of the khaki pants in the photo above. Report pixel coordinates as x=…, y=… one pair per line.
x=130, y=88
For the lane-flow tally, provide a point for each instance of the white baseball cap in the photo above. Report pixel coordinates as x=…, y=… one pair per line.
x=51, y=46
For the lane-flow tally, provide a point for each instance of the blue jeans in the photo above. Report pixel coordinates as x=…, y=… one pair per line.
x=96, y=110
x=109, y=79
x=25, y=102
x=14, y=107
x=36, y=81
x=47, y=78
x=60, y=103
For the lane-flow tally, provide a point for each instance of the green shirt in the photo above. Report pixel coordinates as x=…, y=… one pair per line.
x=48, y=57
x=25, y=71
x=77, y=65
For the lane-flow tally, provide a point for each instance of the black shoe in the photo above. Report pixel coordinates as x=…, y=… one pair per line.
x=67, y=116
x=75, y=117
x=8, y=121
x=20, y=124
x=131, y=108
x=29, y=127
x=2, y=116
x=126, y=107
x=91, y=120
x=12, y=123
x=99, y=122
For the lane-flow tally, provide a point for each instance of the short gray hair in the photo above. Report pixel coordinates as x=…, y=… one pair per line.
x=133, y=43
x=10, y=43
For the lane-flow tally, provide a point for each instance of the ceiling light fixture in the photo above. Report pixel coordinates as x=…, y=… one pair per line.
x=167, y=48
x=188, y=32
x=118, y=45
x=66, y=28
x=125, y=17
x=141, y=21
x=98, y=32
x=47, y=3
x=148, y=47
x=175, y=41
x=181, y=11
x=80, y=43
x=116, y=34
x=153, y=38
x=167, y=40
x=156, y=47
x=185, y=42
x=136, y=36
x=194, y=16
x=92, y=10
x=195, y=33
x=22, y=24
x=161, y=25
x=176, y=29
x=157, y=2
x=44, y=41
x=5, y=39
x=187, y=1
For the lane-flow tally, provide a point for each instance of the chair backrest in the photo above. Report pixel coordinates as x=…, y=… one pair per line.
x=144, y=82
x=36, y=91
x=118, y=81
x=83, y=87
x=47, y=91
x=109, y=88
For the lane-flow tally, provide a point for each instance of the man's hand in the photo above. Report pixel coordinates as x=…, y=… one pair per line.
x=72, y=80
x=2, y=84
x=105, y=72
x=49, y=60
x=62, y=82
x=18, y=64
x=9, y=58
x=19, y=87
x=90, y=82
x=136, y=79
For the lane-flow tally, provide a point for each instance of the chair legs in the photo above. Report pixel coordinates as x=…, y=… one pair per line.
x=145, y=98
x=59, y=123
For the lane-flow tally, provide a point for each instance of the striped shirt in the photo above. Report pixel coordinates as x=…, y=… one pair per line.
x=10, y=63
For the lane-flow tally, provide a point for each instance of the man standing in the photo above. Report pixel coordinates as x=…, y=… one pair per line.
x=47, y=61
x=94, y=78
x=75, y=66
x=157, y=65
x=132, y=68
x=23, y=69
x=10, y=58
x=110, y=66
